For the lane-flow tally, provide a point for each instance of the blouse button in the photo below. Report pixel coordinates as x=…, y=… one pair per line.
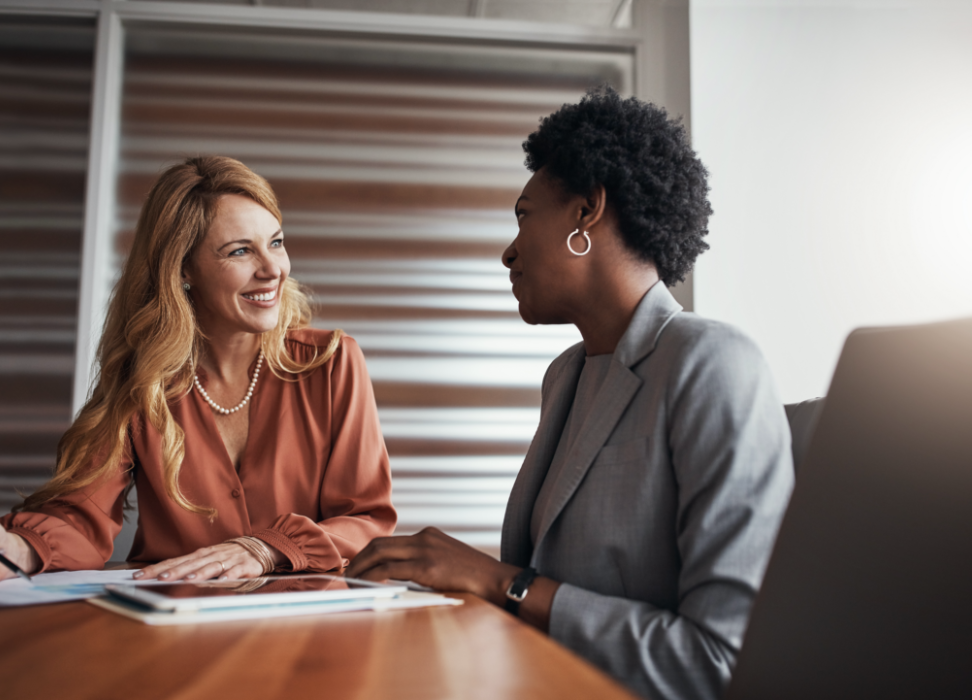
x=236, y=493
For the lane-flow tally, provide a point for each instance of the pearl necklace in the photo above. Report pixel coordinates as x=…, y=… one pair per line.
x=246, y=399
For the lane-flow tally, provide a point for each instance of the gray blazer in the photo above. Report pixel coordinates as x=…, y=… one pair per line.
x=677, y=484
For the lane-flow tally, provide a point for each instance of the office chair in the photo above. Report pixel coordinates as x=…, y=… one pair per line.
x=802, y=418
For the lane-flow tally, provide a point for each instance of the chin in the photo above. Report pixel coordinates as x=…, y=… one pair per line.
x=265, y=329
x=259, y=326
x=538, y=318
x=526, y=314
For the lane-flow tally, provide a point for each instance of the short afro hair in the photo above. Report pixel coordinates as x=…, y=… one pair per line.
x=655, y=184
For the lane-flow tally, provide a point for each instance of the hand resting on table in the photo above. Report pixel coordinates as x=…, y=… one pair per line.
x=222, y=561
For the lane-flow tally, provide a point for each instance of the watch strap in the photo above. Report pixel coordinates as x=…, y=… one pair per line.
x=518, y=589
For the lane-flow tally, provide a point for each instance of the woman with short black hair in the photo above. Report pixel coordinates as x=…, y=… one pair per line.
x=641, y=522
x=655, y=184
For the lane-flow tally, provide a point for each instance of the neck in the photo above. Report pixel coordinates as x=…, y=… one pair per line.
x=603, y=320
x=229, y=357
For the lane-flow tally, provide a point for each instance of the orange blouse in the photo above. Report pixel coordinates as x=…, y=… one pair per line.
x=314, y=480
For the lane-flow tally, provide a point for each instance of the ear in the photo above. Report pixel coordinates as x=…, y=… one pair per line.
x=593, y=208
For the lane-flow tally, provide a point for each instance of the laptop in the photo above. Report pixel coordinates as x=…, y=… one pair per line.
x=868, y=593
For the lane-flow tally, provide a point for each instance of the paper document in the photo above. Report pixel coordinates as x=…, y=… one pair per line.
x=59, y=587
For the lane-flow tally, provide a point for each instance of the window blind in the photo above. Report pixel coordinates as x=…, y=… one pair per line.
x=45, y=97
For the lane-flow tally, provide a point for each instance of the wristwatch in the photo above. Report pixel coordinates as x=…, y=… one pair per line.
x=518, y=589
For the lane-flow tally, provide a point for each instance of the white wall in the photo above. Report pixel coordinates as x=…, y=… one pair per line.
x=838, y=135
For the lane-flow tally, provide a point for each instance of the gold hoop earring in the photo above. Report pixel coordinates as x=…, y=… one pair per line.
x=586, y=237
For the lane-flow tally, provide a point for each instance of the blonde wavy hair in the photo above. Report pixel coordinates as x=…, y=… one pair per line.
x=151, y=341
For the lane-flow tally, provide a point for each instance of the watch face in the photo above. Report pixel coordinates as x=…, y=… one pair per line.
x=518, y=588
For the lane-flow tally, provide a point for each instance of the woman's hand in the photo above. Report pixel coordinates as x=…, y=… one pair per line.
x=16, y=549
x=432, y=558
x=223, y=561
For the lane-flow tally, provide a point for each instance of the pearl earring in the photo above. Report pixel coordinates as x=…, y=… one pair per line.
x=185, y=285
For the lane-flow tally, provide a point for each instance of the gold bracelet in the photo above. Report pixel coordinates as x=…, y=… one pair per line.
x=260, y=552
x=264, y=553
x=259, y=549
x=264, y=548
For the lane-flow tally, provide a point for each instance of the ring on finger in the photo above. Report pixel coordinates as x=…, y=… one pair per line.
x=222, y=569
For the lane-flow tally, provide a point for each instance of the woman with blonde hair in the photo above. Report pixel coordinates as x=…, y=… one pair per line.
x=252, y=438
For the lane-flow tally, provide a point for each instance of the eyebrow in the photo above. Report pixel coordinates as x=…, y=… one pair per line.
x=248, y=240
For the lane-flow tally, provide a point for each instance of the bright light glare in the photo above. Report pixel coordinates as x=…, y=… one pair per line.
x=941, y=221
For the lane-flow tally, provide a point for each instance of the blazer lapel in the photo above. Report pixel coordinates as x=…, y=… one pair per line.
x=516, y=547
x=620, y=386
x=651, y=316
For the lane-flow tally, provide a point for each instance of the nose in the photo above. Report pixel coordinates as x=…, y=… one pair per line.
x=509, y=255
x=270, y=267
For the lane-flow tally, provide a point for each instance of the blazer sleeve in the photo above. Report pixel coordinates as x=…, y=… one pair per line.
x=730, y=454
x=355, y=495
x=77, y=531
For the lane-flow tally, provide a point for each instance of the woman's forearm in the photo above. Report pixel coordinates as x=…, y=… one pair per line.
x=536, y=606
x=493, y=579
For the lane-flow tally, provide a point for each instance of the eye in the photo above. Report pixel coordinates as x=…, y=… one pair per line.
x=238, y=252
x=276, y=243
x=519, y=214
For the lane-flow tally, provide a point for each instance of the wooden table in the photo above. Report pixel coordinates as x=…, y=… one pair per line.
x=75, y=650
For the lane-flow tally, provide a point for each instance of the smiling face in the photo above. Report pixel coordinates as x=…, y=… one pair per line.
x=542, y=270
x=237, y=272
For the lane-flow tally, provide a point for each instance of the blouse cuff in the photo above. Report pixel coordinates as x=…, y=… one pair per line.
x=286, y=546
x=36, y=541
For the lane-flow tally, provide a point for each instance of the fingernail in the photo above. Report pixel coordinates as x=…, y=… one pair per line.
x=165, y=575
x=188, y=576
x=222, y=578
x=138, y=574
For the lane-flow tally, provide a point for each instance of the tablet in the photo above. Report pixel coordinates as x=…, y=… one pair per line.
x=185, y=596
